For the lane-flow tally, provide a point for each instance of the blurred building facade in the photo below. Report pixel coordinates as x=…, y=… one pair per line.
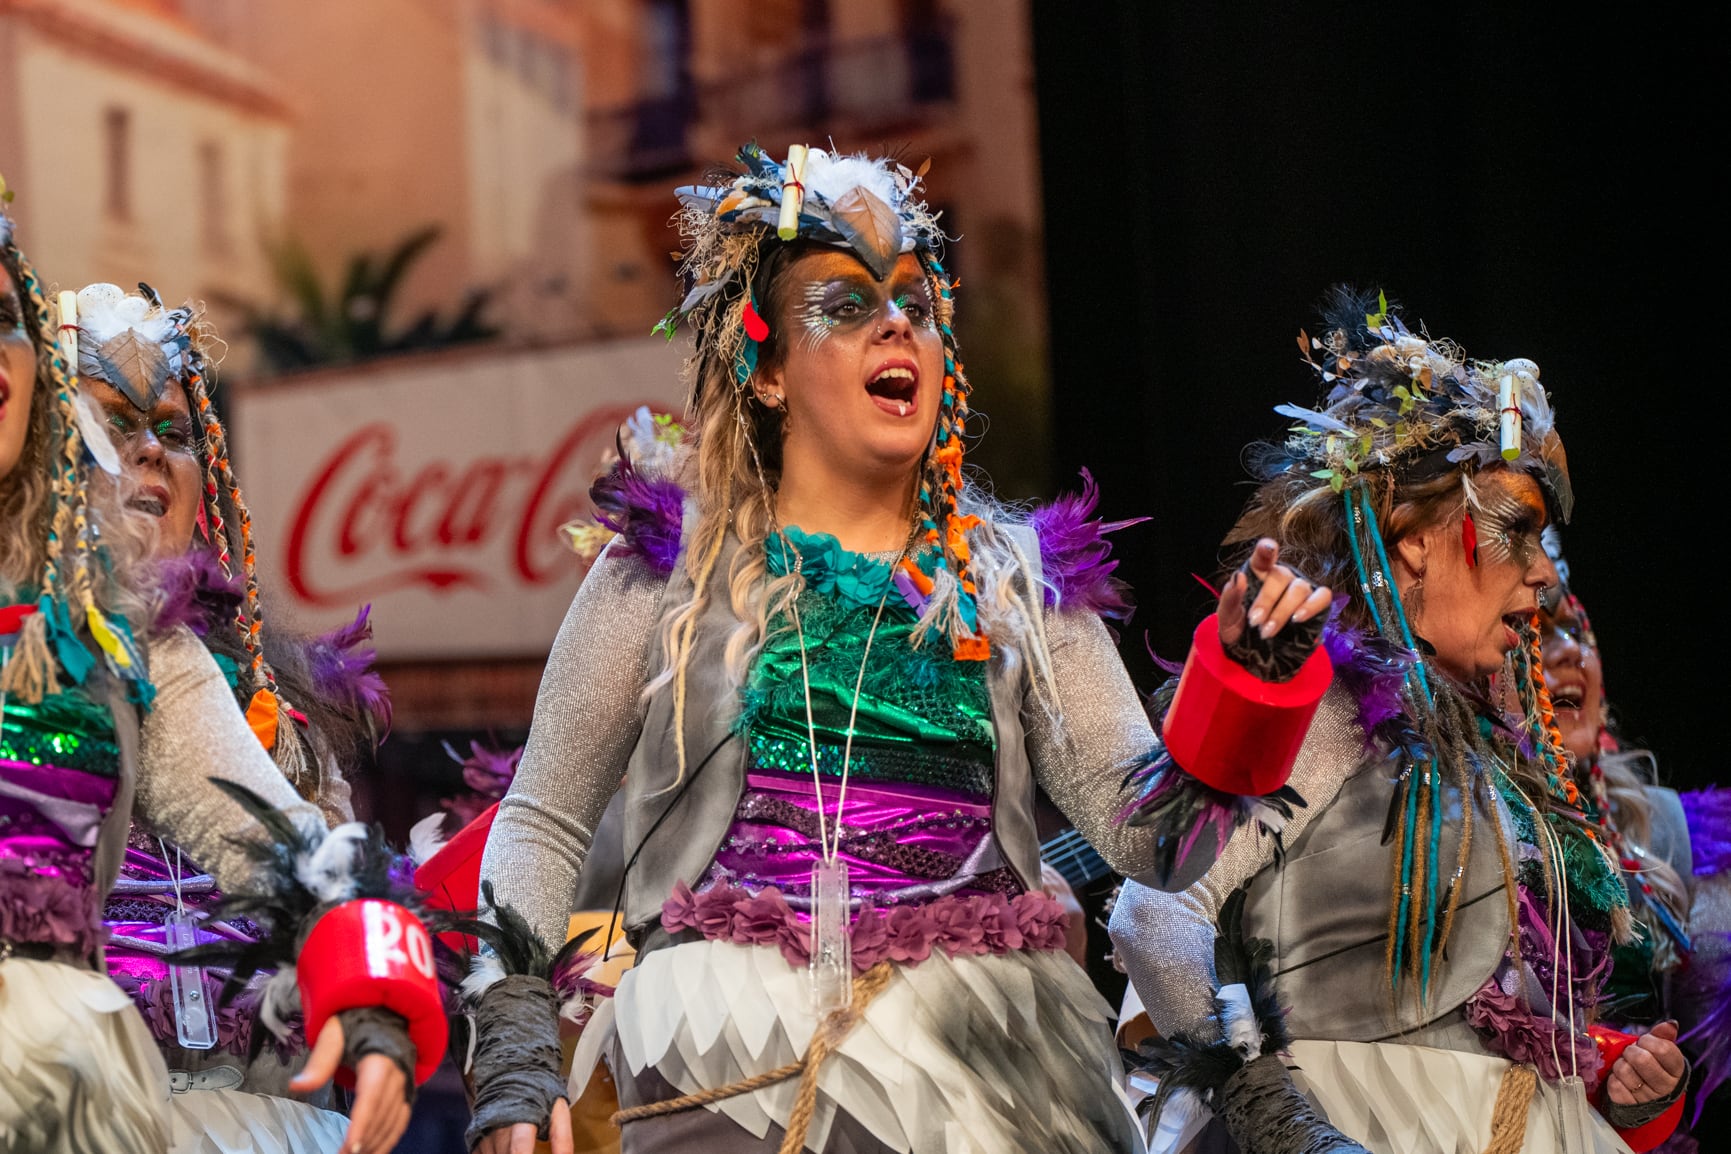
x=140, y=147
x=194, y=143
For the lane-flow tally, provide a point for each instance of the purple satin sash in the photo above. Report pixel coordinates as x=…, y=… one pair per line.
x=901, y=842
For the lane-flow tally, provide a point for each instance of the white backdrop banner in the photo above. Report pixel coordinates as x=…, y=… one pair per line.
x=434, y=488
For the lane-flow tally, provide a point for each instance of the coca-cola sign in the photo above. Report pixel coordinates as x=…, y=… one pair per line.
x=434, y=489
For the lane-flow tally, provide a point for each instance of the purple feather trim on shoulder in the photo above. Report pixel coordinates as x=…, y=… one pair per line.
x=1076, y=557
x=1708, y=814
x=195, y=593
x=647, y=512
x=342, y=663
x=1372, y=669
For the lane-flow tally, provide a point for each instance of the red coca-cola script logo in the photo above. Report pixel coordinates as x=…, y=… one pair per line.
x=364, y=526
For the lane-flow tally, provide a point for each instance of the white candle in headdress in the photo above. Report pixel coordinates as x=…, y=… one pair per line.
x=792, y=192
x=1518, y=375
x=69, y=331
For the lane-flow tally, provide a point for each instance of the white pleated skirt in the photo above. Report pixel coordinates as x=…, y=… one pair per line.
x=1396, y=1099
x=79, y=1070
x=994, y=1054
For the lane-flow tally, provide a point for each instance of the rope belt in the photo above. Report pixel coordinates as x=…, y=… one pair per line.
x=1509, y=1114
x=830, y=1033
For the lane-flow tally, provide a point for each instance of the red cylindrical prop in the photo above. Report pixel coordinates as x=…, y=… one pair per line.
x=374, y=953
x=1641, y=1139
x=1230, y=729
x=451, y=878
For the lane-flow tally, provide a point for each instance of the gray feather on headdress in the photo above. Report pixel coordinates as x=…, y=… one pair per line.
x=133, y=364
x=870, y=227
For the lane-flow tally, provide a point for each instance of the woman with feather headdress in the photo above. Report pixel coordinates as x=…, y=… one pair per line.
x=830, y=673
x=313, y=703
x=101, y=719
x=1438, y=920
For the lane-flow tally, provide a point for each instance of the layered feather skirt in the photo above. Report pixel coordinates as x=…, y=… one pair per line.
x=987, y=1054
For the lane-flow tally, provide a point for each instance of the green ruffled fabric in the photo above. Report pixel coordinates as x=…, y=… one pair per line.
x=1596, y=887
x=922, y=715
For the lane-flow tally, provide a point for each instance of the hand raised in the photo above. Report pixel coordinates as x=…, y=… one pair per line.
x=1285, y=597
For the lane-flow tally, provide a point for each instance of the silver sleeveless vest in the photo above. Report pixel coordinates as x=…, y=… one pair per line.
x=1326, y=911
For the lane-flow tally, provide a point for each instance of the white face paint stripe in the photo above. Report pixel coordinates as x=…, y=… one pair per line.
x=817, y=325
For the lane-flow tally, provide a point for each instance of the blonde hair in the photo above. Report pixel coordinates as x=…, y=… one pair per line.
x=56, y=511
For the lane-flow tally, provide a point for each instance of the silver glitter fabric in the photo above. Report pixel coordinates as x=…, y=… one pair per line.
x=192, y=733
x=587, y=719
x=1080, y=756
x=1166, y=940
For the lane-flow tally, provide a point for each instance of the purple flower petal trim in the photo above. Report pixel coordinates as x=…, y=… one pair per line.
x=958, y=925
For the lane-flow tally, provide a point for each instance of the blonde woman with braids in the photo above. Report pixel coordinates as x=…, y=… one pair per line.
x=830, y=675
x=148, y=370
x=99, y=720
x=1438, y=928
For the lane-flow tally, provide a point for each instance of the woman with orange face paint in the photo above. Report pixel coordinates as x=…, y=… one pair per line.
x=831, y=672
x=1429, y=939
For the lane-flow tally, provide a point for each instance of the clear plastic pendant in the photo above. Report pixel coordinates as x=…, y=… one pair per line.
x=831, y=946
x=194, y=1024
x=1575, y=1127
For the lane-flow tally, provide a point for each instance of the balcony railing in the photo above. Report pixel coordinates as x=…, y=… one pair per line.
x=860, y=86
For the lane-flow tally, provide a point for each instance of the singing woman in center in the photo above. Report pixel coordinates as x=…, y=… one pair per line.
x=830, y=673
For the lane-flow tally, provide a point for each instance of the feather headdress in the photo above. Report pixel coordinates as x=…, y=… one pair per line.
x=873, y=208
x=1407, y=401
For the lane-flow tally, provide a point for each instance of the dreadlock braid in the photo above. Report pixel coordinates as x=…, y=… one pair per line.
x=220, y=484
x=214, y=442
x=945, y=526
x=219, y=478
x=68, y=533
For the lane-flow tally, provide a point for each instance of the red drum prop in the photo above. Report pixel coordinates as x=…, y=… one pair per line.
x=1233, y=731
x=368, y=953
x=1641, y=1139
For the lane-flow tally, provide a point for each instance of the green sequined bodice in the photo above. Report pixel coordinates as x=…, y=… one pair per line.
x=923, y=717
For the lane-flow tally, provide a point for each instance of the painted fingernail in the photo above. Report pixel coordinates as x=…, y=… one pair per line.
x=1256, y=615
x=1269, y=630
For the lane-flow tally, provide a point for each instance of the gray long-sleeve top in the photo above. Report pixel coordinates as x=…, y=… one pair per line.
x=194, y=732
x=589, y=717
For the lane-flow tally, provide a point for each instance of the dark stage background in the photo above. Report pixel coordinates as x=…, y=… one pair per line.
x=1526, y=187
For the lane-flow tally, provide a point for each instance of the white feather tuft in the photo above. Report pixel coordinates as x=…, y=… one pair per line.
x=484, y=971
x=427, y=837
x=1238, y=1020
x=328, y=871
x=280, y=1000
x=833, y=177
x=106, y=310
